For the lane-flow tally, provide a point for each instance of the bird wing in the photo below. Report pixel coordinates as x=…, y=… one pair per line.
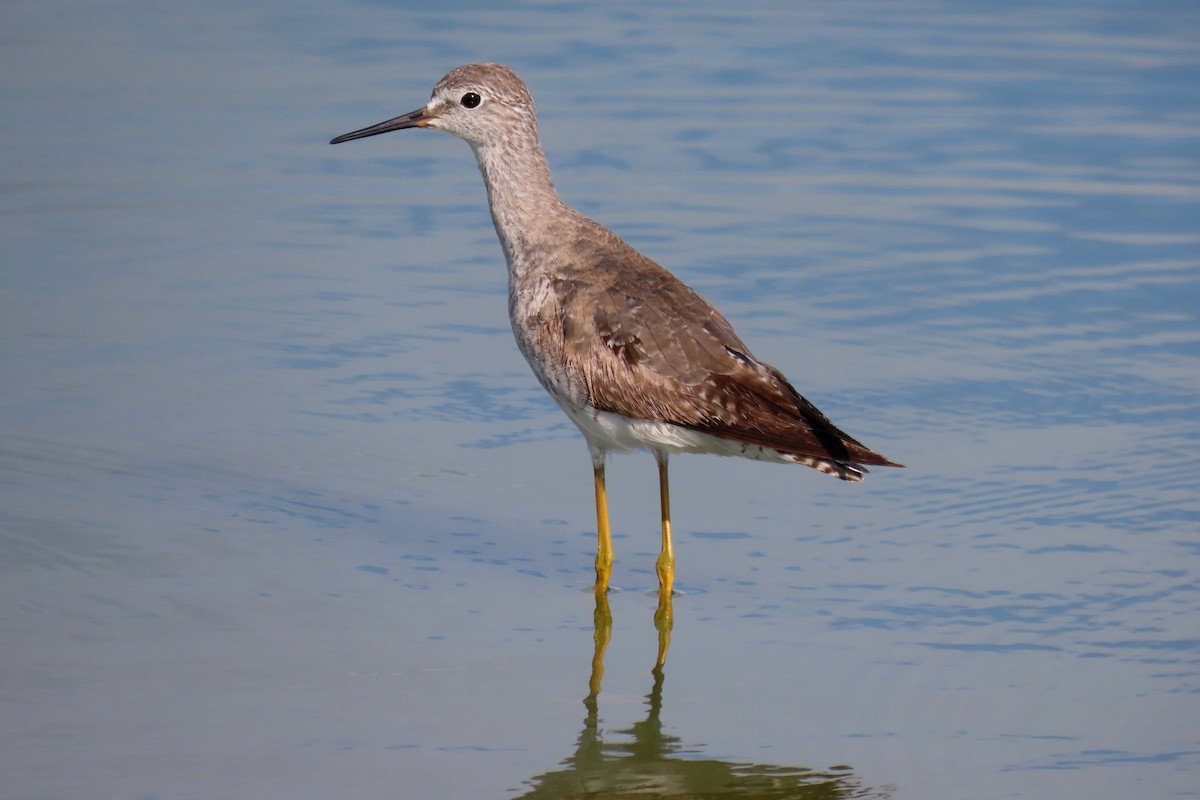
x=652, y=348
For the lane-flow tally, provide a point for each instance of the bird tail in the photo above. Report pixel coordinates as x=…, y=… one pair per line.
x=838, y=469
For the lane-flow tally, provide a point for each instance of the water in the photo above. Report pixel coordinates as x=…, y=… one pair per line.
x=284, y=514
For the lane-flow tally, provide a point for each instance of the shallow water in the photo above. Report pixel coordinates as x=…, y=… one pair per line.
x=284, y=514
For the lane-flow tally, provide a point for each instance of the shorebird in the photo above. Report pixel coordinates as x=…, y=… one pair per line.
x=635, y=357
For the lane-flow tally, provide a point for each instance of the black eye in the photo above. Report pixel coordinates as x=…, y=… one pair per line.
x=470, y=100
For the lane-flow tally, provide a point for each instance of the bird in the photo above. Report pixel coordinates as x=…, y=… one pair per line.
x=636, y=358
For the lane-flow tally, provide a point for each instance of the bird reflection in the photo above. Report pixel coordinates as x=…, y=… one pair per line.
x=645, y=761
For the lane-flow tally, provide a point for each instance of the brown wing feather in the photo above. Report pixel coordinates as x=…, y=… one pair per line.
x=649, y=347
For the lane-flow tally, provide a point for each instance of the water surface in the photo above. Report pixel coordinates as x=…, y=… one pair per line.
x=284, y=514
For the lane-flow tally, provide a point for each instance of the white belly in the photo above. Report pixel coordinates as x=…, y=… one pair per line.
x=609, y=431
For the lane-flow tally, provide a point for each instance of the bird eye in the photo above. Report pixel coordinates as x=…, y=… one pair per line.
x=470, y=100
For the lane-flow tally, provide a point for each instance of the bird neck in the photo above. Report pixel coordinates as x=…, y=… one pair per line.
x=522, y=198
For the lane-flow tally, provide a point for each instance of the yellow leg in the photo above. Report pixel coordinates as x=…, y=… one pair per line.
x=665, y=566
x=604, y=548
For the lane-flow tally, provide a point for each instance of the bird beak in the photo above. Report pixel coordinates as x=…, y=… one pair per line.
x=414, y=119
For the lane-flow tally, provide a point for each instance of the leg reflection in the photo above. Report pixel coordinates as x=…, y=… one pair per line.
x=602, y=624
x=648, y=758
x=664, y=620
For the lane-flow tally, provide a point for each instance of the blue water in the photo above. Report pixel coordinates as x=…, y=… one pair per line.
x=284, y=514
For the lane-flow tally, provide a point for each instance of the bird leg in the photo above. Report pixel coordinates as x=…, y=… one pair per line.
x=604, y=548
x=665, y=566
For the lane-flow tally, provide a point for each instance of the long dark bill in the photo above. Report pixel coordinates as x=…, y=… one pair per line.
x=413, y=119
